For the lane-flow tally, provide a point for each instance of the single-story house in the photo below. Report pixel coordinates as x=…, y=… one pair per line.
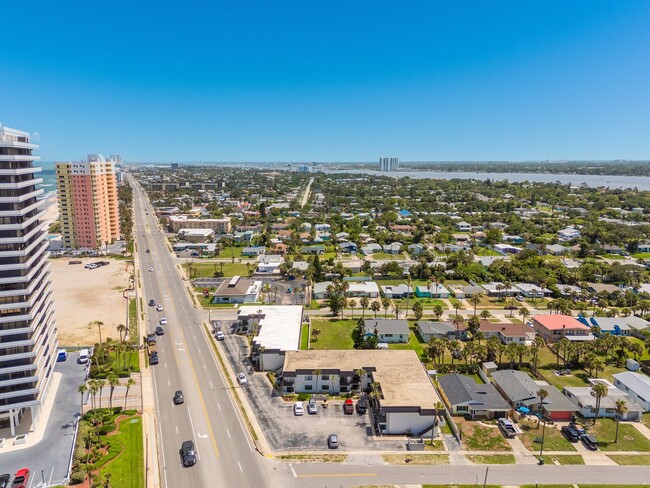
x=520, y=390
x=397, y=291
x=269, y=263
x=371, y=248
x=602, y=288
x=582, y=398
x=557, y=249
x=467, y=397
x=435, y=330
x=552, y=327
x=353, y=266
x=507, y=249
x=568, y=290
x=407, y=397
x=637, y=385
x=532, y=291
x=319, y=290
x=415, y=249
x=300, y=265
x=363, y=289
x=610, y=325
x=461, y=238
x=388, y=330
x=498, y=289
x=392, y=248
x=276, y=330
x=237, y=290
x=467, y=291
x=195, y=235
x=506, y=332
x=348, y=247
x=253, y=251
x=432, y=291
x=342, y=236
x=313, y=250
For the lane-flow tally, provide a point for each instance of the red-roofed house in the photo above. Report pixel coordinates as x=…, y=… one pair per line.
x=552, y=327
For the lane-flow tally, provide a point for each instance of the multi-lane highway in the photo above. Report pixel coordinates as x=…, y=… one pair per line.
x=209, y=417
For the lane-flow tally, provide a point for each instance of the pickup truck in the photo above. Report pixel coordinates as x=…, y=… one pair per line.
x=507, y=428
x=153, y=353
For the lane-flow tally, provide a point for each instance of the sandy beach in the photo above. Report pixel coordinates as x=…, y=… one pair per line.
x=51, y=209
x=84, y=295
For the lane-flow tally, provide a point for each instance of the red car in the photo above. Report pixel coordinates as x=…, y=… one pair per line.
x=20, y=480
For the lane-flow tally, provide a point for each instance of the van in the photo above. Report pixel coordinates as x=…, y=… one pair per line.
x=84, y=354
x=63, y=355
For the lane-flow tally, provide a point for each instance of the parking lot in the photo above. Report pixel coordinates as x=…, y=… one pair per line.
x=48, y=460
x=286, y=432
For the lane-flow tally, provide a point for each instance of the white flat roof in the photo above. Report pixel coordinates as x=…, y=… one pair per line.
x=279, y=327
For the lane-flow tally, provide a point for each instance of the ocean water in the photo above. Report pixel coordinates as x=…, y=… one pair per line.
x=49, y=182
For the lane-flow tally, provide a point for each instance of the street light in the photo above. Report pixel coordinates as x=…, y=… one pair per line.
x=541, y=449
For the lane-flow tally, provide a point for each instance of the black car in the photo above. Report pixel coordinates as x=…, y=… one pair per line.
x=570, y=433
x=4, y=480
x=178, y=397
x=147, y=251
x=152, y=303
x=590, y=442
x=160, y=331
x=151, y=339
x=153, y=358
x=188, y=455
x=362, y=406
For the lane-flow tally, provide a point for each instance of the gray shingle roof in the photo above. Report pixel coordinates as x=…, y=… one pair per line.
x=386, y=326
x=519, y=387
x=460, y=388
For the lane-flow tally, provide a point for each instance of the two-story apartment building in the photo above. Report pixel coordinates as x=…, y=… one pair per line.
x=552, y=327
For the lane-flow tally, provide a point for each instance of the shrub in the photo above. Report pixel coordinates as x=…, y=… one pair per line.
x=107, y=428
x=77, y=477
x=117, y=410
x=303, y=397
x=131, y=411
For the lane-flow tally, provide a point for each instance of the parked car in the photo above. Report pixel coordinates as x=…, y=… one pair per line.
x=151, y=338
x=74, y=261
x=178, y=397
x=159, y=308
x=520, y=298
x=506, y=428
x=152, y=303
x=188, y=454
x=348, y=406
x=220, y=336
x=298, y=408
x=333, y=441
x=21, y=478
x=241, y=377
x=160, y=331
x=147, y=251
x=590, y=442
x=4, y=480
x=570, y=433
x=312, y=408
x=362, y=406
x=163, y=321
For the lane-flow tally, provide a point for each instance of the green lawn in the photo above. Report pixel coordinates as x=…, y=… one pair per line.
x=384, y=256
x=629, y=439
x=335, y=333
x=476, y=437
x=231, y=252
x=631, y=459
x=564, y=460
x=133, y=318
x=641, y=255
x=415, y=342
x=127, y=469
x=553, y=438
x=427, y=303
x=304, y=336
x=484, y=251
x=207, y=270
x=491, y=458
x=646, y=353
x=646, y=420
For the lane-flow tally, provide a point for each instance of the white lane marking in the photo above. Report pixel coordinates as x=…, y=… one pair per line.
x=228, y=432
x=168, y=383
x=199, y=351
x=177, y=430
x=211, y=387
x=293, y=471
x=165, y=365
x=219, y=405
x=238, y=464
x=194, y=335
x=204, y=367
x=51, y=474
x=193, y=433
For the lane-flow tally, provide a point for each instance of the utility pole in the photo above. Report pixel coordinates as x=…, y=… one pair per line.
x=541, y=449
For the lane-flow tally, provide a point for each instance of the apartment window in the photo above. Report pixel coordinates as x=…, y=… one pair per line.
x=308, y=377
x=308, y=387
x=462, y=408
x=325, y=377
x=325, y=387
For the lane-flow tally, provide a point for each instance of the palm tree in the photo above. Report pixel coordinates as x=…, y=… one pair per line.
x=113, y=381
x=438, y=311
x=475, y=300
x=375, y=307
x=620, y=409
x=485, y=314
x=98, y=324
x=599, y=390
x=408, y=295
x=317, y=373
x=438, y=406
x=130, y=382
x=385, y=303
x=364, y=302
x=542, y=394
x=121, y=328
x=82, y=389
x=352, y=303
x=523, y=311
x=100, y=386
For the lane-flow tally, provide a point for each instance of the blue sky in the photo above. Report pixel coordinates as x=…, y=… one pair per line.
x=329, y=81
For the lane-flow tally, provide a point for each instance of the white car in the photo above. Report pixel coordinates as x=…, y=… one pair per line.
x=241, y=377
x=163, y=321
x=159, y=308
x=150, y=269
x=298, y=409
x=220, y=336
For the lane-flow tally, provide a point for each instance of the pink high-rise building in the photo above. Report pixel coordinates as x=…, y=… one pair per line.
x=88, y=208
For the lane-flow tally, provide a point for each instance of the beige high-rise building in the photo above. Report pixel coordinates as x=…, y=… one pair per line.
x=88, y=208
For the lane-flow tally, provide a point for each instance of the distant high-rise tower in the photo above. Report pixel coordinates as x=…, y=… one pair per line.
x=28, y=344
x=388, y=164
x=174, y=166
x=88, y=208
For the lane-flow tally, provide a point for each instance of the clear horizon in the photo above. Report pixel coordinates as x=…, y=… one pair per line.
x=435, y=81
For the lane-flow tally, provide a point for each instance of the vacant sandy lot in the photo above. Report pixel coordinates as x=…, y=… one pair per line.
x=83, y=295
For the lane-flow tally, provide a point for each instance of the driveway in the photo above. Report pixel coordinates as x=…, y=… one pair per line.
x=286, y=432
x=49, y=458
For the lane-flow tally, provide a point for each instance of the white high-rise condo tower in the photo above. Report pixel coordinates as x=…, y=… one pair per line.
x=388, y=164
x=28, y=344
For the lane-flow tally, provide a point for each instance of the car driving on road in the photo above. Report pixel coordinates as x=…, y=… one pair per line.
x=4, y=480
x=178, y=397
x=188, y=455
x=159, y=308
x=241, y=377
x=160, y=331
x=163, y=321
